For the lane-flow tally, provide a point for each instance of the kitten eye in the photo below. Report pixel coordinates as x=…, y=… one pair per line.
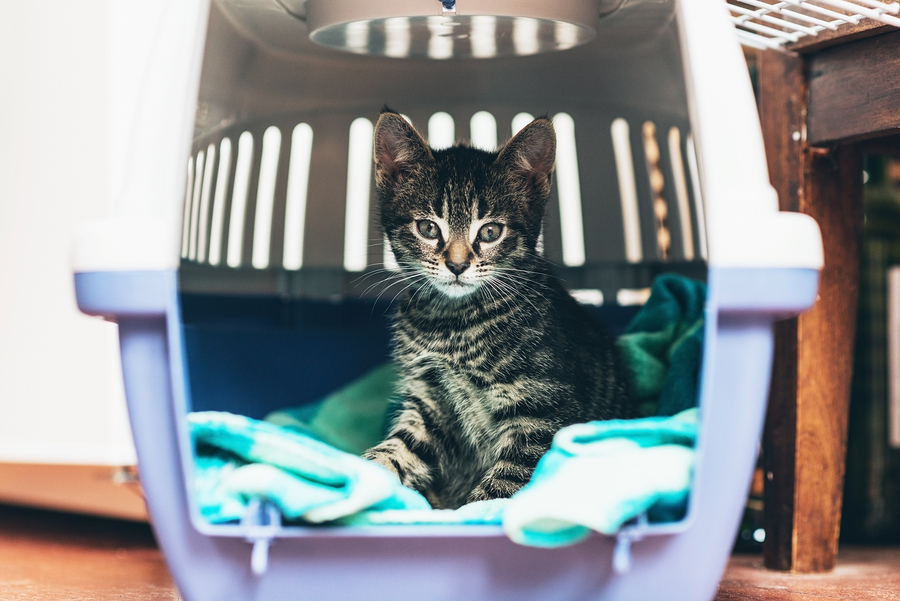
x=490, y=232
x=428, y=229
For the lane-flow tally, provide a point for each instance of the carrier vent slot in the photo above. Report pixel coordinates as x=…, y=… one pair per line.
x=239, y=199
x=568, y=187
x=483, y=131
x=359, y=175
x=588, y=296
x=186, y=218
x=203, y=224
x=265, y=197
x=699, y=207
x=631, y=297
x=631, y=219
x=195, y=205
x=657, y=185
x=218, y=211
x=297, y=189
x=679, y=184
x=441, y=131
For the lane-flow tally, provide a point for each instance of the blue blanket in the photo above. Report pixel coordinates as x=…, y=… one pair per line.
x=597, y=476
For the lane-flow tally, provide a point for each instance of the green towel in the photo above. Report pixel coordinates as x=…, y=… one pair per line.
x=599, y=475
x=351, y=418
x=663, y=346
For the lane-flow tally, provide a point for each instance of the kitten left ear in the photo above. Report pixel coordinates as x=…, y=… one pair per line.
x=398, y=149
x=530, y=156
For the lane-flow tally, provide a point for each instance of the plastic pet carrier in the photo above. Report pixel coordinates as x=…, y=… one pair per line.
x=240, y=261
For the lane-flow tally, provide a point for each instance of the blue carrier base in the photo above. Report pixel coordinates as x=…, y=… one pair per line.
x=672, y=562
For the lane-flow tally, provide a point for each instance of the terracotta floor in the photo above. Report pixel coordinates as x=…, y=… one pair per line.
x=47, y=555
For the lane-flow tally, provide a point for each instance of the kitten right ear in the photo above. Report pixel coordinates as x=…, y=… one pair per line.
x=398, y=150
x=530, y=156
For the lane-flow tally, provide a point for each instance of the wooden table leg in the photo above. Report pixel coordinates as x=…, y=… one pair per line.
x=806, y=427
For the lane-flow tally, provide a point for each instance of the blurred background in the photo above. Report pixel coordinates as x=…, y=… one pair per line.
x=68, y=81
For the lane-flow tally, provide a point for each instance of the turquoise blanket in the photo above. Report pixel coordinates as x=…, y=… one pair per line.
x=238, y=459
x=601, y=475
x=597, y=476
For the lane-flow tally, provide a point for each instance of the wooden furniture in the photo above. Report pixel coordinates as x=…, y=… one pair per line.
x=822, y=101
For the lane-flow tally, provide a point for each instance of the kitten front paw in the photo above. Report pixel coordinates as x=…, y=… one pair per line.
x=479, y=494
x=383, y=458
x=493, y=489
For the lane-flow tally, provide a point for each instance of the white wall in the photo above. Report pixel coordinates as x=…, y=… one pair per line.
x=67, y=85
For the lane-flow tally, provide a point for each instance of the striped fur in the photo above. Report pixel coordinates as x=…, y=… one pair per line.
x=494, y=354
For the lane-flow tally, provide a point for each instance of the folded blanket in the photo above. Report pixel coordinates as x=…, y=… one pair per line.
x=239, y=459
x=599, y=475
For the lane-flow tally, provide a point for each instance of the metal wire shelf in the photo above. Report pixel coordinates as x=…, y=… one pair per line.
x=774, y=23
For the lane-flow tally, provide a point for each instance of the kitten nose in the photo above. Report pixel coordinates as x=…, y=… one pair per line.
x=456, y=268
x=457, y=257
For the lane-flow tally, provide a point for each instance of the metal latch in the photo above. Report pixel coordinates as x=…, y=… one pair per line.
x=622, y=556
x=263, y=522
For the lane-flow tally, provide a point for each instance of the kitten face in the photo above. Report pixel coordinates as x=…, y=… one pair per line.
x=461, y=216
x=457, y=260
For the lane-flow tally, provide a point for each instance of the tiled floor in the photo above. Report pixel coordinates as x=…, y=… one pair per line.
x=47, y=555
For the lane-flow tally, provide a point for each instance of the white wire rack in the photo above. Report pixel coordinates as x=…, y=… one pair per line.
x=774, y=23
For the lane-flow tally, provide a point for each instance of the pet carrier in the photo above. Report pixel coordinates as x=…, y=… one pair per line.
x=247, y=289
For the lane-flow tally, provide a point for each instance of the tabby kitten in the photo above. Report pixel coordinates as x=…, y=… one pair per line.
x=494, y=354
